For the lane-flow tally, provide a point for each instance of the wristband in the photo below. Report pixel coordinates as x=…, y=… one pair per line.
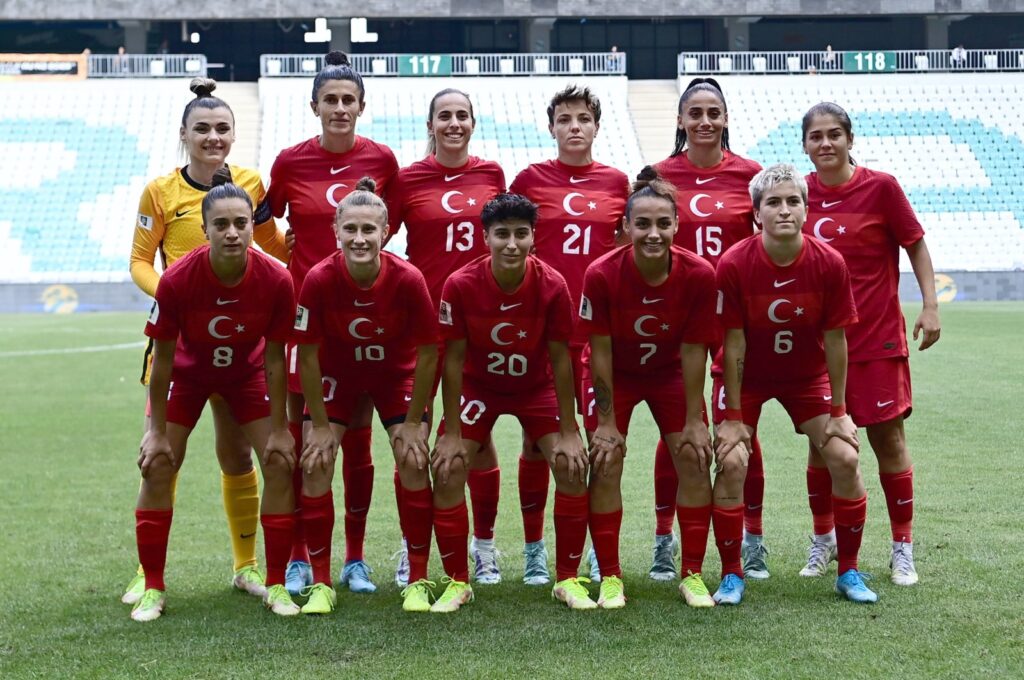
x=733, y=414
x=838, y=411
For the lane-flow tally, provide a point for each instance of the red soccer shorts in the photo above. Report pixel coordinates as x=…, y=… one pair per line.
x=879, y=390
x=537, y=412
x=664, y=393
x=390, y=395
x=247, y=400
x=802, y=401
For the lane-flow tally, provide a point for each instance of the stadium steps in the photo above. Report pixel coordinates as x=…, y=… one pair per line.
x=652, y=105
x=244, y=99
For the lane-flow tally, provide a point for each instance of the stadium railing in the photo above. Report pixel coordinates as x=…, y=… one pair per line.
x=146, y=65
x=865, y=61
x=569, y=63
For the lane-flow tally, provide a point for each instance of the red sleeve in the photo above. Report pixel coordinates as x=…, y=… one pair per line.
x=520, y=184
x=309, y=326
x=283, y=316
x=277, y=192
x=730, y=298
x=559, y=322
x=451, y=321
x=395, y=204
x=163, y=320
x=701, y=326
x=840, y=309
x=421, y=308
x=594, y=312
x=500, y=178
x=902, y=220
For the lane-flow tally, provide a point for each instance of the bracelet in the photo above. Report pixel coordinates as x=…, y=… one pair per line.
x=733, y=414
x=837, y=411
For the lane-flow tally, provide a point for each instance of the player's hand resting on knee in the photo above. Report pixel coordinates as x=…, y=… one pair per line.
x=321, y=449
x=154, y=445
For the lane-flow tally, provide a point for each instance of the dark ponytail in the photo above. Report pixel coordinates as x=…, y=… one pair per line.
x=222, y=187
x=337, y=67
x=699, y=85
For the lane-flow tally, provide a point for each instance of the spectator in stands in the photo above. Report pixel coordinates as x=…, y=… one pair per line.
x=958, y=57
x=170, y=222
x=121, y=63
x=865, y=215
x=615, y=62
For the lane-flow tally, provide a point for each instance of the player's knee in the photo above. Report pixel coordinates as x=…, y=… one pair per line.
x=731, y=470
x=888, y=441
x=844, y=463
x=160, y=471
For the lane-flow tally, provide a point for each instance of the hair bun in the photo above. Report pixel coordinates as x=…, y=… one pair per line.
x=337, y=58
x=648, y=174
x=203, y=87
x=703, y=81
x=221, y=176
x=366, y=184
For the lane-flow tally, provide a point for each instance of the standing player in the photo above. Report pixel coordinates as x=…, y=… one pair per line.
x=365, y=327
x=579, y=209
x=784, y=302
x=170, y=222
x=507, y=320
x=649, y=310
x=714, y=214
x=439, y=199
x=865, y=215
x=309, y=180
x=221, y=318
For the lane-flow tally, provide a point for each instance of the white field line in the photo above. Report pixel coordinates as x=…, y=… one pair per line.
x=72, y=350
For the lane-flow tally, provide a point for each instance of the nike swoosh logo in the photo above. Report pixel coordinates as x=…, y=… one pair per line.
x=254, y=533
x=576, y=556
x=659, y=508
x=812, y=495
x=363, y=304
x=902, y=501
x=505, y=307
x=527, y=507
x=753, y=507
x=408, y=398
x=314, y=553
x=883, y=404
x=224, y=302
x=449, y=178
x=857, y=530
x=182, y=213
x=417, y=547
x=447, y=555
x=651, y=302
x=727, y=543
x=705, y=180
x=578, y=180
x=356, y=510
x=335, y=171
x=828, y=398
x=780, y=284
x=829, y=204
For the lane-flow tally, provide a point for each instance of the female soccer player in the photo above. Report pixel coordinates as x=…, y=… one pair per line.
x=308, y=181
x=221, y=318
x=714, y=214
x=784, y=302
x=439, y=199
x=865, y=215
x=649, y=311
x=365, y=327
x=507, y=319
x=170, y=222
x=579, y=204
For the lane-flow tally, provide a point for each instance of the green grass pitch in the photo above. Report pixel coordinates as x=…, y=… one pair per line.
x=70, y=425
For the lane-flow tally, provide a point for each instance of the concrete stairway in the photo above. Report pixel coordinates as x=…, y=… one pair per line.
x=652, y=104
x=244, y=100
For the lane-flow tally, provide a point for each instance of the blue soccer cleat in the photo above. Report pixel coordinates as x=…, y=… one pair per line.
x=730, y=590
x=356, y=575
x=851, y=586
x=297, y=576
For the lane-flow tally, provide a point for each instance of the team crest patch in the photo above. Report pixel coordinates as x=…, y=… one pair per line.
x=154, y=314
x=586, y=309
x=145, y=222
x=445, y=315
x=301, y=318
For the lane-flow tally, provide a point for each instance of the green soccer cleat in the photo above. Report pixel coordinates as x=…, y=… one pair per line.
x=250, y=580
x=695, y=592
x=150, y=606
x=279, y=601
x=136, y=587
x=613, y=594
x=416, y=596
x=454, y=596
x=322, y=599
x=573, y=593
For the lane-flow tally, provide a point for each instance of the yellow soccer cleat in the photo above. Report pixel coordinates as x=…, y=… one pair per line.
x=250, y=580
x=279, y=601
x=416, y=596
x=136, y=588
x=573, y=593
x=322, y=599
x=454, y=596
x=150, y=606
x=695, y=592
x=613, y=594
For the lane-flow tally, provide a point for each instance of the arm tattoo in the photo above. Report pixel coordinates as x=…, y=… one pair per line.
x=602, y=396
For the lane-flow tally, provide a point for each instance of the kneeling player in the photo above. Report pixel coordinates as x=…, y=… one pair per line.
x=222, y=314
x=649, y=309
x=365, y=328
x=507, y=319
x=784, y=302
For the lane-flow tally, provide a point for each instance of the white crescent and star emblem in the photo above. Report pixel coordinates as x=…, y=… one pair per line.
x=638, y=326
x=330, y=192
x=567, y=203
x=817, y=228
x=695, y=209
x=212, y=326
x=496, y=331
x=353, y=328
x=445, y=202
x=772, y=310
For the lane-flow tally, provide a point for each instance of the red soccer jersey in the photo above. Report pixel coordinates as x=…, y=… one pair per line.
x=715, y=211
x=867, y=220
x=373, y=330
x=221, y=329
x=441, y=210
x=646, y=323
x=580, y=208
x=506, y=333
x=784, y=311
x=310, y=182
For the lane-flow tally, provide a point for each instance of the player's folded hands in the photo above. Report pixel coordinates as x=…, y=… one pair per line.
x=728, y=435
x=603, y=446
